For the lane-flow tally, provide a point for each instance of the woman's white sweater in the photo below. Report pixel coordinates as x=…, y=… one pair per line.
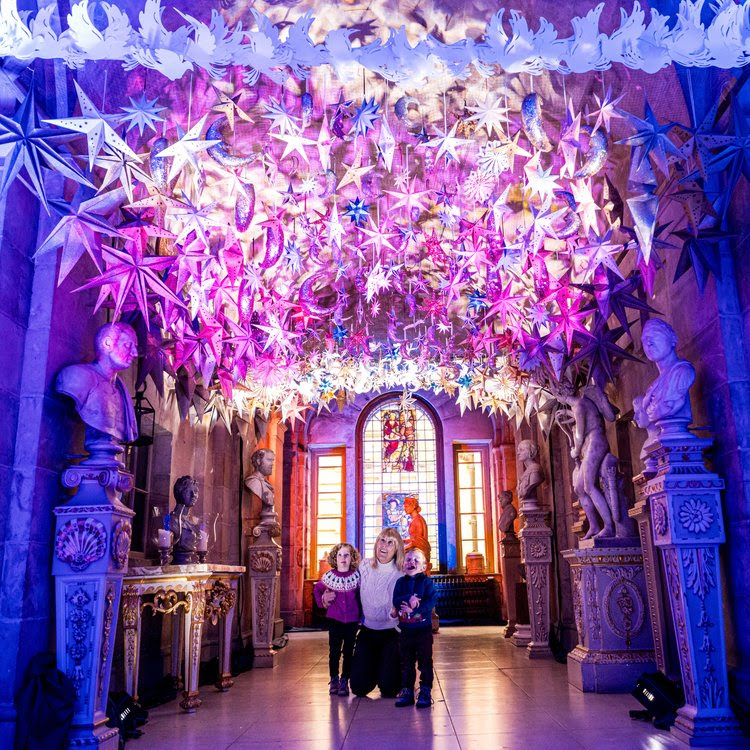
x=376, y=594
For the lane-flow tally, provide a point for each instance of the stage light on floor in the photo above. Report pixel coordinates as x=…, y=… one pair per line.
x=659, y=696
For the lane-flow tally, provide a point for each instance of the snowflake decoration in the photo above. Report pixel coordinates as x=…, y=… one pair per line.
x=696, y=515
x=478, y=186
x=141, y=114
x=357, y=211
x=493, y=158
x=308, y=185
x=365, y=117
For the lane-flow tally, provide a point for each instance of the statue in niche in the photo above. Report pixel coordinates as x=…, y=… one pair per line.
x=508, y=514
x=417, y=538
x=101, y=400
x=532, y=476
x=595, y=473
x=665, y=407
x=258, y=484
x=186, y=531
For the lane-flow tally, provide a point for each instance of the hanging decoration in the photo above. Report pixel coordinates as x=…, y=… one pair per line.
x=300, y=242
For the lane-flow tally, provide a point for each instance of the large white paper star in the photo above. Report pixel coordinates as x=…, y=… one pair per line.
x=185, y=149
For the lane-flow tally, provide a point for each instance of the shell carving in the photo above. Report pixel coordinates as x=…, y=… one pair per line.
x=121, y=538
x=262, y=562
x=81, y=542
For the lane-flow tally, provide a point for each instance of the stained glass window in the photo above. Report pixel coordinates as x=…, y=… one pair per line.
x=421, y=480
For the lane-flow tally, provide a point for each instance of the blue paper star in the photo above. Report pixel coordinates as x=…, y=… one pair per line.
x=652, y=137
x=24, y=145
x=365, y=117
x=357, y=211
x=339, y=333
x=477, y=301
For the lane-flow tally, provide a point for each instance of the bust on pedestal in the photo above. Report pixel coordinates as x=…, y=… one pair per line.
x=187, y=535
x=93, y=533
x=264, y=559
x=536, y=551
x=687, y=526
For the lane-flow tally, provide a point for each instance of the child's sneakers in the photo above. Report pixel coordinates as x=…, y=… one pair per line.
x=333, y=686
x=405, y=698
x=343, y=686
x=424, y=699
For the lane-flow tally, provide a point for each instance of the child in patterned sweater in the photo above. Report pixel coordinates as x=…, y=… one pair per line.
x=338, y=593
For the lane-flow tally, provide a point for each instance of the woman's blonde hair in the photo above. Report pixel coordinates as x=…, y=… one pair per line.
x=335, y=550
x=389, y=533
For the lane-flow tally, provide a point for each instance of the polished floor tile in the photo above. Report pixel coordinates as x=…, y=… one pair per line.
x=487, y=695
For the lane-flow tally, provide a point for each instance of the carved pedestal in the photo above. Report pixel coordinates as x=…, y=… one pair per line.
x=641, y=513
x=264, y=570
x=536, y=554
x=510, y=557
x=687, y=525
x=92, y=541
x=612, y=617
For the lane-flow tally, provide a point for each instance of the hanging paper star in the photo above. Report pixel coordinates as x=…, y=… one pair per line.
x=229, y=107
x=701, y=253
x=185, y=149
x=193, y=219
x=294, y=142
x=339, y=333
x=127, y=274
x=78, y=230
x=122, y=167
x=365, y=117
x=24, y=145
x=141, y=114
x=652, y=138
x=477, y=301
x=600, y=350
x=491, y=115
x=386, y=144
x=734, y=157
x=95, y=127
x=607, y=111
x=138, y=230
x=446, y=143
x=357, y=211
x=643, y=204
x=354, y=173
x=408, y=199
x=281, y=118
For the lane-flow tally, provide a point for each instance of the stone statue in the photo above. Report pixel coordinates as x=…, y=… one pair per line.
x=259, y=485
x=102, y=401
x=665, y=407
x=417, y=538
x=508, y=513
x=185, y=530
x=595, y=472
x=532, y=476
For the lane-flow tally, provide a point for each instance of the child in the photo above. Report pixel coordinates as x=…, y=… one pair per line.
x=414, y=598
x=338, y=593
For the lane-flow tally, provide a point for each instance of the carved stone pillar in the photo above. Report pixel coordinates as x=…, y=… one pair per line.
x=536, y=554
x=687, y=525
x=612, y=618
x=92, y=542
x=510, y=558
x=641, y=512
x=264, y=570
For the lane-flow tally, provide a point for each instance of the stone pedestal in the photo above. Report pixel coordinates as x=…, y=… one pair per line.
x=612, y=617
x=264, y=570
x=474, y=564
x=510, y=558
x=92, y=542
x=660, y=626
x=687, y=526
x=536, y=555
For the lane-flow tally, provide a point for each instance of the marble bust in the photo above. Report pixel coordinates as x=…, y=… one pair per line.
x=258, y=484
x=508, y=513
x=665, y=407
x=101, y=400
x=185, y=529
x=532, y=475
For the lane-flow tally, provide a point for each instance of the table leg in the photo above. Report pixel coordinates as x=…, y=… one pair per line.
x=131, y=628
x=178, y=617
x=193, y=634
x=225, y=680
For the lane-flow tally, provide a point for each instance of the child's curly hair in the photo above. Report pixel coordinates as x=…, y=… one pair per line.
x=335, y=550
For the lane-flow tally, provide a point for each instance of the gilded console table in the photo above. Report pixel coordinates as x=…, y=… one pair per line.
x=192, y=594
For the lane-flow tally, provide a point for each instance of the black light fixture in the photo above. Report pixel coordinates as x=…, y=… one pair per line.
x=145, y=419
x=659, y=696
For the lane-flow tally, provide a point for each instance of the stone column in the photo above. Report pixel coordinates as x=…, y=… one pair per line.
x=687, y=526
x=264, y=570
x=536, y=555
x=612, y=618
x=641, y=513
x=92, y=542
x=510, y=558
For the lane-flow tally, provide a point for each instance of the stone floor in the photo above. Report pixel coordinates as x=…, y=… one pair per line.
x=488, y=696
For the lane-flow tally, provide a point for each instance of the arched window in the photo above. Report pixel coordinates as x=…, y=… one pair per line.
x=399, y=455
